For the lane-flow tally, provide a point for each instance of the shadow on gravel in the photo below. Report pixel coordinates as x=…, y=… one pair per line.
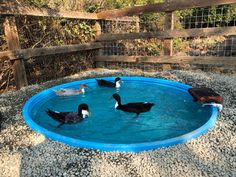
x=53, y=159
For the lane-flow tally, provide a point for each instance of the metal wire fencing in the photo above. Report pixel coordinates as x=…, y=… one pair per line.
x=153, y=67
x=219, y=16
x=36, y=32
x=217, y=46
x=42, y=69
x=137, y=47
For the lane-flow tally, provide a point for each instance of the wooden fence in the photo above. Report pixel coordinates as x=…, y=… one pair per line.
x=10, y=11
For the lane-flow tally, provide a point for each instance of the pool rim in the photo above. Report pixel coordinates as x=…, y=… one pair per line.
x=133, y=147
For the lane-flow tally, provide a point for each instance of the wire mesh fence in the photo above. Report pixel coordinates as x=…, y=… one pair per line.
x=219, y=16
x=3, y=45
x=137, y=47
x=6, y=76
x=36, y=32
x=120, y=25
x=218, y=46
x=42, y=69
x=146, y=23
x=154, y=67
x=212, y=46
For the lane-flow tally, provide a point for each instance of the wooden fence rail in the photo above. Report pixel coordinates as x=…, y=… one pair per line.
x=167, y=6
x=13, y=8
x=29, y=53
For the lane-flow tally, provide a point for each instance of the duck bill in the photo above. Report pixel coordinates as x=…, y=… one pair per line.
x=88, y=87
x=89, y=114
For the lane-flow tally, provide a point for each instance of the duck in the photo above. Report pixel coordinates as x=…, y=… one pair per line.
x=137, y=108
x=70, y=117
x=71, y=92
x=104, y=83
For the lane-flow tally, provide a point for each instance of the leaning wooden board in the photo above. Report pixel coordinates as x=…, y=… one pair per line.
x=205, y=95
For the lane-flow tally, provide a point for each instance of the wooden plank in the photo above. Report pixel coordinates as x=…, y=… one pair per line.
x=36, y=52
x=97, y=29
x=124, y=19
x=169, y=25
x=12, y=8
x=162, y=7
x=13, y=43
x=201, y=32
x=170, y=60
x=137, y=25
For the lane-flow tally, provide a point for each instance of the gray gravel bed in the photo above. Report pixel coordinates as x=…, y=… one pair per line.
x=24, y=152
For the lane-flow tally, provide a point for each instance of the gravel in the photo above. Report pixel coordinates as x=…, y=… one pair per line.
x=24, y=152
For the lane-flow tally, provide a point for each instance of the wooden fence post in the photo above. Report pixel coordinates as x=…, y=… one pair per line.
x=98, y=31
x=13, y=43
x=137, y=25
x=169, y=25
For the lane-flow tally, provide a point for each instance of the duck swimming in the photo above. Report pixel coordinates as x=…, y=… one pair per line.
x=70, y=117
x=104, y=83
x=71, y=92
x=137, y=108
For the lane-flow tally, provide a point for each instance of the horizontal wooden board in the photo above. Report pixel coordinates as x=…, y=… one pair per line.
x=28, y=53
x=12, y=8
x=162, y=7
x=170, y=60
x=124, y=19
x=201, y=32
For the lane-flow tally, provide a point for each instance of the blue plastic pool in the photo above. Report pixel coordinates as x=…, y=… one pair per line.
x=174, y=119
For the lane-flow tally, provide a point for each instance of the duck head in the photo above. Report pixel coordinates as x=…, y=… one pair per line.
x=118, y=81
x=82, y=87
x=83, y=110
x=117, y=98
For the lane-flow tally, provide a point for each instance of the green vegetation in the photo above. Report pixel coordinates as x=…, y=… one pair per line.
x=44, y=32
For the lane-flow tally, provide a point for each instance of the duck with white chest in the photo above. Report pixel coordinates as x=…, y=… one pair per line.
x=70, y=117
x=136, y=107
x=105, y=83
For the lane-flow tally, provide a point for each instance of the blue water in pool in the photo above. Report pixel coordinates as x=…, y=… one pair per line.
x=174, y=114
